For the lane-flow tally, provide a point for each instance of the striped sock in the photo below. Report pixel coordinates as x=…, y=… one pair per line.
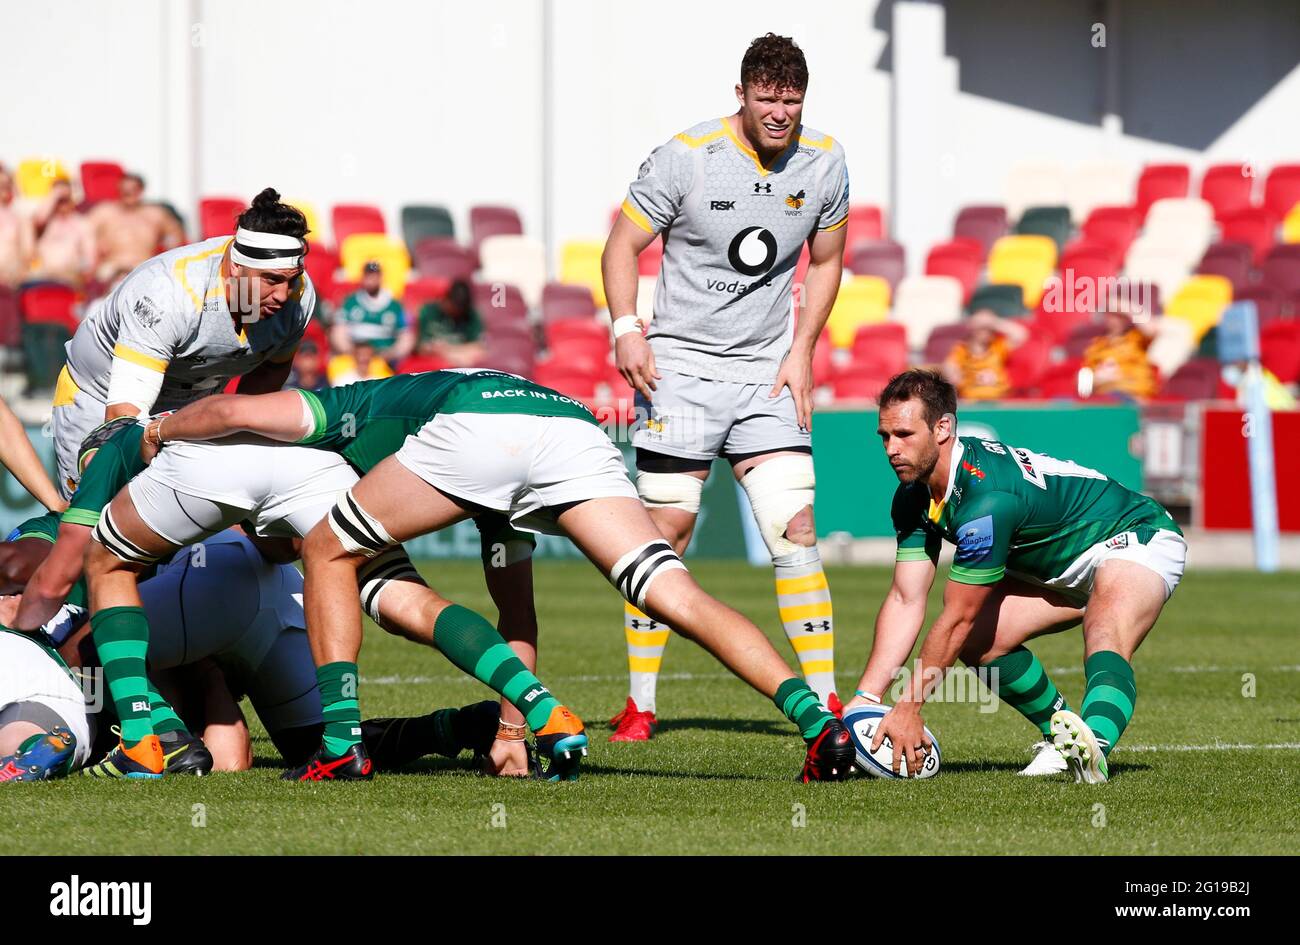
x=801, y=706
x=339, y=706
x=1109, y=698
x=646, y=639
x=121, y=636
x=804, y=600
x=162, y=716
x=1022, y=683
x=474, y=645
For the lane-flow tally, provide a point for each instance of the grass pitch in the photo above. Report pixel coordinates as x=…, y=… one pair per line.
x=1210, y=764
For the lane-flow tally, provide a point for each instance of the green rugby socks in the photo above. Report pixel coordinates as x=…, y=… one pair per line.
x=121, y=636
x=473, y=645
x=802, y=707
x=1022, y=683
x=1109, y=698
x=339, y=706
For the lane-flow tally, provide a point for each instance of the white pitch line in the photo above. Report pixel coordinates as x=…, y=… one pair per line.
x=622, y=677
x=1218, y=746
x=1078, y=670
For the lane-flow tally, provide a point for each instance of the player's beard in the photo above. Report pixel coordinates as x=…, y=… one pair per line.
x=922, y=469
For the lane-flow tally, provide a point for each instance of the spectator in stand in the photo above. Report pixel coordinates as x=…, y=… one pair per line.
x=977, y=366
x=371, y=316
x=450, y=330
x=307, y=373
x=128, y=231
x=65, y=245
x=1117, y=361
x=363, y=364
x=17, y=240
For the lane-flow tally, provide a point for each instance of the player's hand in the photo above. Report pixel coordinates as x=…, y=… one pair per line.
x=636, y=362
x=507, y=759
x=796, y=374
x=9, y=609
x=905, y=729
x=149, y=444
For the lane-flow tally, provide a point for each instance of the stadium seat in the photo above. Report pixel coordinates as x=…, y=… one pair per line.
x=493, y=221
x=960, y=259
x=1161, y=182
x=510, y=348
x=1254, y=226
x=580, y=265
x=1026, y=261
x=321, y=265
x=314, y=232
x=651, y=258
x=1201, y=314
x=1095, y=184
x=862, y=300
x=943, y=338
x=35, y=176
x=44, y=354
x=49, y=303
x=1173, y=344
x=882, y=346
x=922, y=302
x=823, y=363
x=1230, y=267
x=1186, y=224
x=986, y=224
x=572, y=381
x=349, y=219
x=1052, y=222
x=1035, y=184
x=1209, y=288
x=1198, y=379
x=1227, y=188
x=499, y=304
x=1094, y=260
x=1282, y=189
x=438, y=257
x=11, y=323
x=1291, y=225
x=1269, y=302
x=1028, y=363
x=1007, y=301
x=1115, y=225
x=420, y=221
x=865, y=225
x=883, y=258
x=518, y=260
x=560, y=301
x=1060, y=381
x=1280, y=350
x=99, y=180
x=217, y=216
x=580, y=344
x=1080, y=336
x=859, y=383
x=359, y=248
x=420, y=291
x=1162, y=267
x=1056, y=317
x=1281, y=271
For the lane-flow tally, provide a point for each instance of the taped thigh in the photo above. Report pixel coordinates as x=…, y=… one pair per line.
x=778, y=490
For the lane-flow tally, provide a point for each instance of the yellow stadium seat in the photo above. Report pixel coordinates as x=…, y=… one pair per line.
x=1217, y=289
x=389, y=252
x=862, y=300
x=580, y=265
x=1023, y=260
x=314, y=232
x=35, y=176
x=1200, y=314
x=1291, y=225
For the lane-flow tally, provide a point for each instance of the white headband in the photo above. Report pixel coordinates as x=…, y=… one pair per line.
x=266, y=250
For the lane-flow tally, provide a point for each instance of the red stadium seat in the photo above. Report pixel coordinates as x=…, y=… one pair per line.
x=881, y=346
x=985, y=224
x=1060, y=381
x=11, y=320
x=1159, y=181
x=420, y=292
x=1282, y=272
x=583, y=345
x=865, y=225
x=493, y=221
x=1115, y=226
x=561, y=300
x=883, y=258
x=1080, y=337
x=957, y=261
x=1254, y=226
x=860, y=383
x=510, y=348
x=823, y=364
x=1227, y=188
x=499, y=304
x=1028, y=363
x=1280, y=350
x=438, y=257
x=49, y=302
x=217, y=216
x=321, y=265
x=1270, y=304
x=1088, y=260
x=575, y=382
x=1198, y=379
x=1282, y=189
x=99, y=180
x=943, y=338
x=349, y=219
x=651, y=258
x=1232, y=266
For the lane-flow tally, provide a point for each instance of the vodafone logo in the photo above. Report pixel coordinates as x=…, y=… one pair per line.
x=752, y=251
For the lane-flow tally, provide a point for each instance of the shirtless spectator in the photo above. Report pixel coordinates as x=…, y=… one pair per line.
x=65, y=245
x=16, y=237
x=129, y=231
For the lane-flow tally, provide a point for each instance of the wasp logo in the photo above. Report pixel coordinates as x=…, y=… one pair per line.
x=795, y=201
x=654, y=426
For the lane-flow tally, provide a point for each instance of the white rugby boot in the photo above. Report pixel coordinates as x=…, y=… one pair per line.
x=1079, y=747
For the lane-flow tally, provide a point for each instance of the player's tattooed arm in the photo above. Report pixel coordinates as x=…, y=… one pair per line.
x=279, y=416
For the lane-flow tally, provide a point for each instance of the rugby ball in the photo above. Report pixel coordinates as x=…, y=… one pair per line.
x=862, y=721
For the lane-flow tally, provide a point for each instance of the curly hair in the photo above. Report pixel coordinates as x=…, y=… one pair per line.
x=774, y=61
x=269, y=215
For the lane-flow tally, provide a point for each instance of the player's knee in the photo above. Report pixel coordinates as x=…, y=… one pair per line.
x=321, y=544
x=781, y=492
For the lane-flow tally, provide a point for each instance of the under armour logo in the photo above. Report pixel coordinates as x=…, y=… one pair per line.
x=638, y=624
x=762, y=188
x=822, y=625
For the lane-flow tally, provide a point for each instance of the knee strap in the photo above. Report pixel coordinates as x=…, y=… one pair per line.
x=357, y=530
x=110, y=536
x=378, y=573
x=633, y=573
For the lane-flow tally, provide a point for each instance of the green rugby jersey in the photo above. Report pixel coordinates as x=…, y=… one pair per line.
x=115, y=464
x=1011, y=509
x=368, y=421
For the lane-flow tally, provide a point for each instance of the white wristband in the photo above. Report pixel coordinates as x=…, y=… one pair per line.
x=625, y=325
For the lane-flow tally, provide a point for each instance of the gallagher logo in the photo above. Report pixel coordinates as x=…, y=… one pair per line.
x=752, y=251
x=795, y=201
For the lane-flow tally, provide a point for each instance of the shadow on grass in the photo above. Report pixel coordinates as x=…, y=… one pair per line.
x=748, y=726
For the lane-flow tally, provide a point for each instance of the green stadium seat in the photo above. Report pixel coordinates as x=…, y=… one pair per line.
x=1006, y=300
x=420, y=221
x=43, y=354
x=1052, y=222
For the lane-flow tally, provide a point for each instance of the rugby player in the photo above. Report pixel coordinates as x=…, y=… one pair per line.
x=1042, y=544
x=184, y=323
x=722, y=370
x=440, y=447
